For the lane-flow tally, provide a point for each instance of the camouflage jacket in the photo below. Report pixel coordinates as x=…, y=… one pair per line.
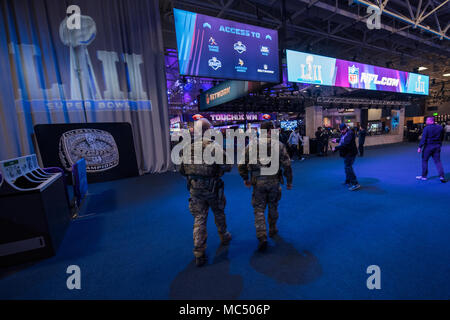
x=202, y=169
x=284, y=161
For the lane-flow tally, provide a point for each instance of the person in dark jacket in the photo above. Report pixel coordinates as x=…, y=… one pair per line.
x=325, y=138
x=348, y=150
x=361, y=140
x=430, y=146
x=319, y=140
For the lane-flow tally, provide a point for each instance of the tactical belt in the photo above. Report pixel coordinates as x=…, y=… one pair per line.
x=267, y=177
x=195, y=177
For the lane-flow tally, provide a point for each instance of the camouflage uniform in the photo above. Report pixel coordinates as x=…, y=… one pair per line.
x=207, y=191
x=266, y=190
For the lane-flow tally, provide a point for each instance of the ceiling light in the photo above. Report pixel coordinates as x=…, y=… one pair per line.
x=422, y=68
x=446, y=74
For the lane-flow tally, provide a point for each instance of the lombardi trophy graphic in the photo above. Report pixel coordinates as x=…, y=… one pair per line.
x=83, y=83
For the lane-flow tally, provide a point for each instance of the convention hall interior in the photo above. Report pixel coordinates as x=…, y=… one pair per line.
x=98, y=98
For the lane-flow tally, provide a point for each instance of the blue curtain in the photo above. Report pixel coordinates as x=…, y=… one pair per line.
x=108, y=68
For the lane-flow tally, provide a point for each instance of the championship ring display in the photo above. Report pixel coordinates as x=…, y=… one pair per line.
x=97, y=147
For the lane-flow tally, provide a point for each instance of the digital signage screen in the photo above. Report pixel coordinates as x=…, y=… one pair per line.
x=314, y=69
x=225, y=92
x=218, y=48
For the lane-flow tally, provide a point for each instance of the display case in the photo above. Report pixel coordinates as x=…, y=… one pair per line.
x=34, y=210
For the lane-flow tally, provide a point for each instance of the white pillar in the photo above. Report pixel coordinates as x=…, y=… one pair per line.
x=313, y=120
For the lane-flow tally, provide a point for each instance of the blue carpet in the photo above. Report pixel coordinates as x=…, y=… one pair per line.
x=135, y=241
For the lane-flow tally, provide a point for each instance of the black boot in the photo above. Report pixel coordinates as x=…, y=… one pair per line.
x=225, y=238
x=273, y=230
x=262, y=245
x=200, y=261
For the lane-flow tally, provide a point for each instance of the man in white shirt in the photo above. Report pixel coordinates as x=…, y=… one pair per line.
x=295, y=141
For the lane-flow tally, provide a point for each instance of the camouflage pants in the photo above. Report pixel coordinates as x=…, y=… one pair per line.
x=265, y=193
x=199, y=207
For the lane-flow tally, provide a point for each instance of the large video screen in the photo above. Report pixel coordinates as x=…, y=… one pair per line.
x=218, y=48
x=314, y=69
x=289, y=125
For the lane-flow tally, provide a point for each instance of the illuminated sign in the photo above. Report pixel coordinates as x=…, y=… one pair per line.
x=314, y=69
x=226, y=91
x=211, y=47
x=230, y=117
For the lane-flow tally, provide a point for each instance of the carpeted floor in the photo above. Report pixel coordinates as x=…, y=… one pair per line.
x=136, y=240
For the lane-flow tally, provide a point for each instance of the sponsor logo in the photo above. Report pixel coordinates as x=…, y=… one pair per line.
x=420, y=85
x=206, y=25
x=212, y=41
x=266, y=70
x=369, y=78
x=214, y=63
x=311, y=72
x=213, y=45
x=353, y=75
x=240, y=67
x=268, y=37
x=265, y=50
x=197, y=116
x=219, y=94
x=240, y=47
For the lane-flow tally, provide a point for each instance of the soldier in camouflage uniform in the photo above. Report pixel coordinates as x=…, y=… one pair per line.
x=207, y=191
x=266, y=189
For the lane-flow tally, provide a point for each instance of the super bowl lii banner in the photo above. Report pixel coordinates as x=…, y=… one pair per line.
x=87, y=61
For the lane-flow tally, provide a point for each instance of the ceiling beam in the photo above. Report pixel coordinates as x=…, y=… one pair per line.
x=308, y=31
x=415, y=22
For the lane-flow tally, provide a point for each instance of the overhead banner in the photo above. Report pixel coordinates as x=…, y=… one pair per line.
x=231, y=116
x=219, y=48
x=225, y=92
x=314, y=69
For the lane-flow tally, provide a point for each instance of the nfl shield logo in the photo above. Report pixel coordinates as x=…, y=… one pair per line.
x=353, y=75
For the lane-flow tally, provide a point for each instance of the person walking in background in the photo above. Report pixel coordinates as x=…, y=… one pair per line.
x=430, y=146
x=294, y=142
x=347, y=150
x=319, y=140
x=325, y=137
x=447, y=131
x=362, y=139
